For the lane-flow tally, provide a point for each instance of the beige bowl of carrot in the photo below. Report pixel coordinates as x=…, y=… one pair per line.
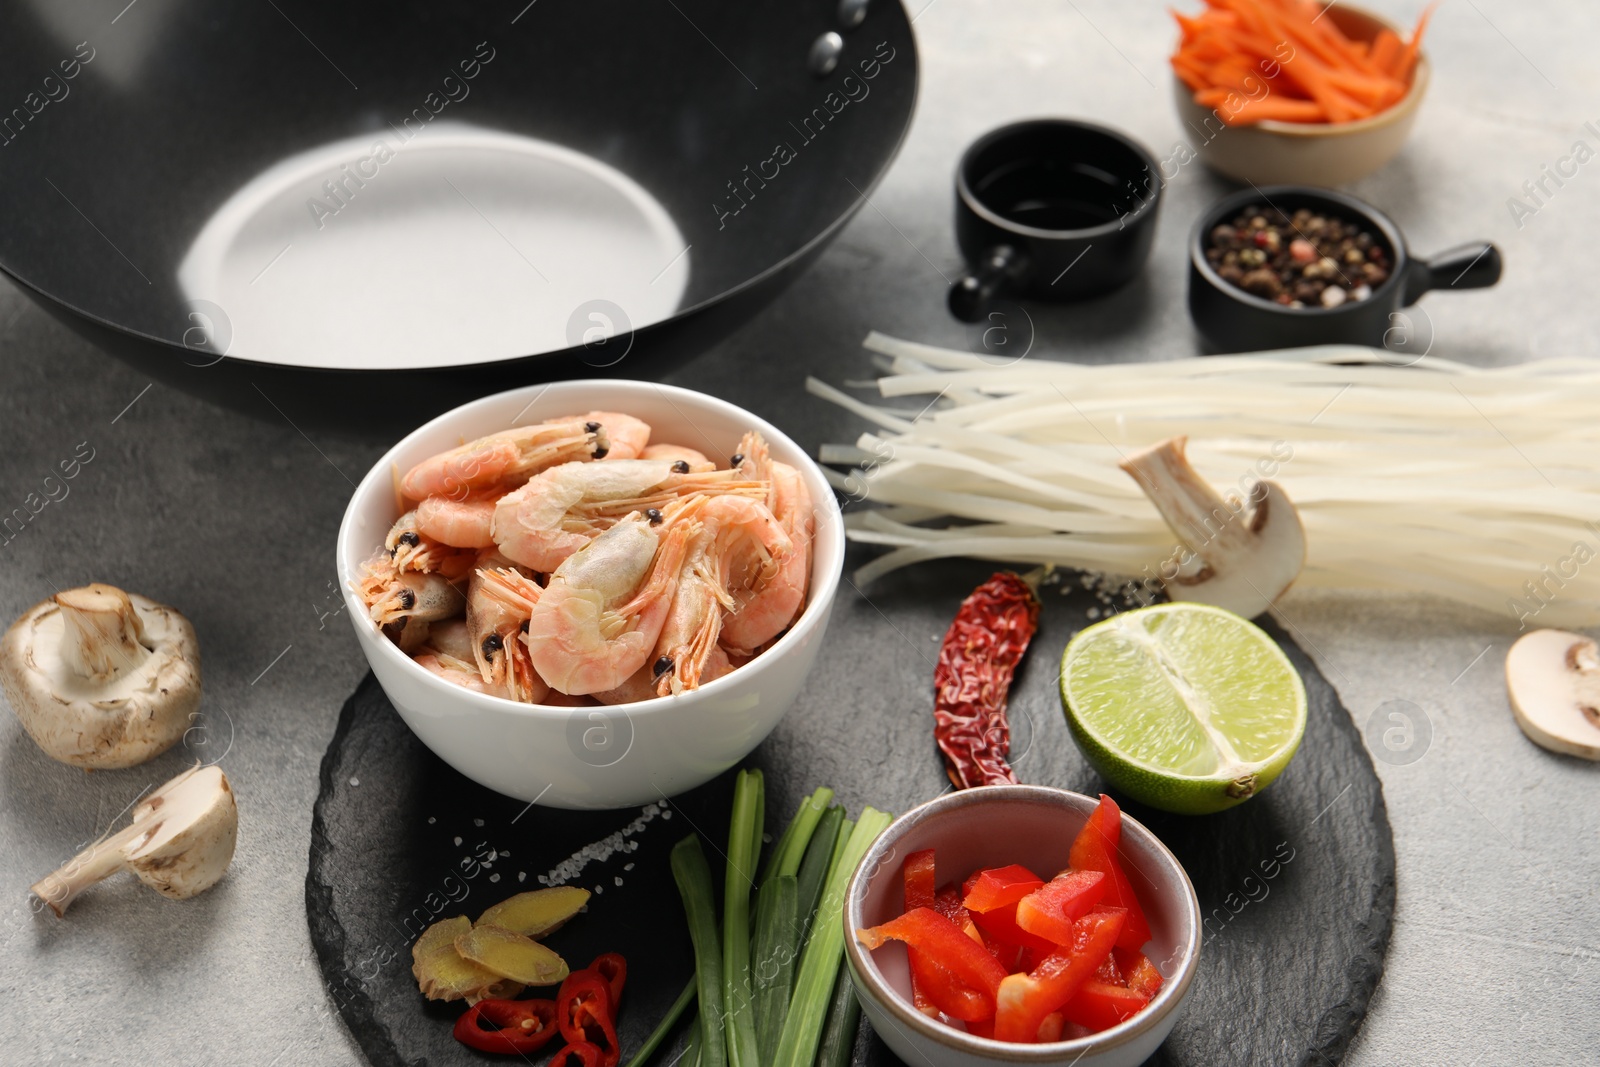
x=1296, y=92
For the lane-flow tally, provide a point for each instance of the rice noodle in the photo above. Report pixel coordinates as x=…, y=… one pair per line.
x=1476, y=484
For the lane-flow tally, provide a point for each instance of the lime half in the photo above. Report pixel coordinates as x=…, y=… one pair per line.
x=1183, y=706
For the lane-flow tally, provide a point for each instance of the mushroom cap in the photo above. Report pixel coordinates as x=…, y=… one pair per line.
x=193, y=844
x=136, y=715
x=1553, y=682
x=1247, y=583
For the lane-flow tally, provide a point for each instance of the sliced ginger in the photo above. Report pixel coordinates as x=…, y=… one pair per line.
x=536, y=913
x=511, y=955
x=442, y=973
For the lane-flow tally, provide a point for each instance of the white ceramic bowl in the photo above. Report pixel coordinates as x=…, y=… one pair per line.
x=994, y=826
x=610, y=757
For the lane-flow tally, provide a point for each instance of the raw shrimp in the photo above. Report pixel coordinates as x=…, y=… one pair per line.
x=769, y=602
x=739, y=539
x=510, y=457
x=459, y=523
x=500, y=600
x=598, y=619
x=694, y=459
x=562, y=509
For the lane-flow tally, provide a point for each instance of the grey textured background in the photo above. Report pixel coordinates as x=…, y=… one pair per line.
x=233, y=521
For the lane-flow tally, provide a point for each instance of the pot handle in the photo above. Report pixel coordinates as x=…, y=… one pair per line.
x=972, y=293
x=1470, y=266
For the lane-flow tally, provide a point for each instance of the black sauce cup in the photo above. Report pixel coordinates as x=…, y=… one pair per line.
x=1054, y=209
x=1233, y=320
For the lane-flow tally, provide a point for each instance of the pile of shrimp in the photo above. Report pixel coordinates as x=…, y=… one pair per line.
x=574, y=562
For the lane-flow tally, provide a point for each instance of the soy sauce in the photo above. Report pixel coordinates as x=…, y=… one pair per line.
x=1050, y=194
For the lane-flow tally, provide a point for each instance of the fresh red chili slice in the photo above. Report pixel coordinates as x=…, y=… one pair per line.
x=589, y=1055
x=972, y=679
x=614, y=969
x=520, y=1026
x=583, y=1012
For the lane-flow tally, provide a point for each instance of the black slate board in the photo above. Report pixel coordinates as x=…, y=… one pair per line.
x=1298, y=884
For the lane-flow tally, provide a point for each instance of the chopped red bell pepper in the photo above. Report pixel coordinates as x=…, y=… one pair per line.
x=583, y=1012
x=944, y=992
x=1051, y=911
x=1138, y=973
x=1001, y=926
x=589, y=1055
x=999, y=886
x=963, y=959
x=614, y=969
x=1095, y=849
x=519, y=1026
x=983, y=1028
x=918, y=874
x=948, y=903
x=1101, y=1005
x=1054, y=1025
x=1025, y=999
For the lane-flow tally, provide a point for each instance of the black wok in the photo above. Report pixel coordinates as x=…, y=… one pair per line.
x=361, y=213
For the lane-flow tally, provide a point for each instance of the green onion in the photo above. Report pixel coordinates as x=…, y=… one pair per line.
x=693, y=1048
x=791, y=847
x=844, y=1016
x=814, y=869
x=819, y=965
x=693, y=876
x=776, y=943
x=668, y=1021
x=744, y=846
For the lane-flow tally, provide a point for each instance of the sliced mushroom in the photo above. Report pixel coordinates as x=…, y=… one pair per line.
x=179, y=843
x=100, y=678
x=1553, y=680
x=1238, y=560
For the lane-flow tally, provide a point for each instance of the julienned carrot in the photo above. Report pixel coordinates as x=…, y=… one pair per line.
x=1275, y=108
x=1312, y=71
x=1386, y=49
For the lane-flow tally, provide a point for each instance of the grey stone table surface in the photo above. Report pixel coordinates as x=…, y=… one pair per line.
x=1493, y=958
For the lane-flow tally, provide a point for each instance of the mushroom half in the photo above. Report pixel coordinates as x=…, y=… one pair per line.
x=1231, y=557
x=101, y=678
x=179, y=843
x=1553, y=680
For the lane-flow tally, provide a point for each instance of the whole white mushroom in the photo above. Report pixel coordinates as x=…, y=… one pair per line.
x=101, y=678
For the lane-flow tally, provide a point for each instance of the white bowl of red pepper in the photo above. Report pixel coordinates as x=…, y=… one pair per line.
x=1079, y=946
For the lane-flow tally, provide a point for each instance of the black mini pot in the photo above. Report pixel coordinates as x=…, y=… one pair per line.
x=1054, y=209
x=1233, y=320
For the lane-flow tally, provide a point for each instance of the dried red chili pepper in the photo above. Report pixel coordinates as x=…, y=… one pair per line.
x=583, y=1012
x=976, y=663
x=524, y=1026
x=614, y=969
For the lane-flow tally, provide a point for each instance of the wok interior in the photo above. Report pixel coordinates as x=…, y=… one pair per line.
x=535, y=157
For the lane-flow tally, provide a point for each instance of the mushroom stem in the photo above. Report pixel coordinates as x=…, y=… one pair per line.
x=95, y=863
x=103, y=636
x=1197, y=514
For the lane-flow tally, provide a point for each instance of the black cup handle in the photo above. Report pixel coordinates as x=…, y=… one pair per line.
x=972, y=293
x=1470, y=266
